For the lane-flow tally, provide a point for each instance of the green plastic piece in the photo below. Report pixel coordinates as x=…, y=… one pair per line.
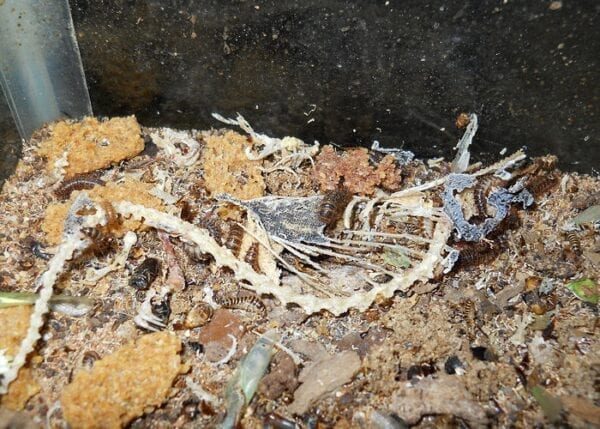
x=586, y=290
x=589, y=215
x=551, y=406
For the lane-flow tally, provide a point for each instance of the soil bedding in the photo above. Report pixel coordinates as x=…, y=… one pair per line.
x=508, y=335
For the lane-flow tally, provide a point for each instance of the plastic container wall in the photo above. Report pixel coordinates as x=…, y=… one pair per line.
x=40, y=66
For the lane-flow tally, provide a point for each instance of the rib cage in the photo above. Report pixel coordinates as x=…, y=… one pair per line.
x=325, y=287
x=388, y=238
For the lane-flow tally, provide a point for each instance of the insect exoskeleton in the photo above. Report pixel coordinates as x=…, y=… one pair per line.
x=333, y=204
x=188, y=213
x=473, y=254
x=246, y=302
x=252, y=255
x=234, y=238
x=102, y=243
x=162, y=308
x=574, y=241
x=199, y=315
x=480, y=195
x=145, y=273
x=212, y=223
x=77, y=183
x=36, y=248
x=547, y=162
x=540, y=185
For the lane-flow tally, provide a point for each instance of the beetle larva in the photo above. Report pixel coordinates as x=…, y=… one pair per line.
x=244, y=303
x=332, y=206
x=539, y=185
x=547, y=162
x=474, y=254
x=574, y=241
x=83, y=181
x=213, y=225
x=252, y=257
x=234, y=238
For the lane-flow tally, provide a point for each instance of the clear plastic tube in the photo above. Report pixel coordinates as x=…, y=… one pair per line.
x=40, y=67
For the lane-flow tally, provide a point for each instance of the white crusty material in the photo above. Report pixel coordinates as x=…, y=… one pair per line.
x=73, y=242
x=263, y=284
x=271, y=145
x=94, y=275
x=4, y=362
x=461, y=161
x=201, y=393
x=166, y=139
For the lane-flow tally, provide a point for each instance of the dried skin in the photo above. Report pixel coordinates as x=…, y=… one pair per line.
x=14, y=322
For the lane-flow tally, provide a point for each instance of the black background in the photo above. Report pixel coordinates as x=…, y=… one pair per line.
x=395, y=71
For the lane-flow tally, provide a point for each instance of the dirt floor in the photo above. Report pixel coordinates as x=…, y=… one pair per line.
x=210, y=279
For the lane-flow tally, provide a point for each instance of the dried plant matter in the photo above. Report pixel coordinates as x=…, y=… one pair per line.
x=242, y=386
x=353, y=170
x=179, y=146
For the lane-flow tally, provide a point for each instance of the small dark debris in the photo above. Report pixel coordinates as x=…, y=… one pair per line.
x=483, y=354
x=190, y=409
x=150, y=148
x=277, y=421
x=453, y=365
x=207, y=409
x=548, y=332
x=196, y=347
x=419, y=371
